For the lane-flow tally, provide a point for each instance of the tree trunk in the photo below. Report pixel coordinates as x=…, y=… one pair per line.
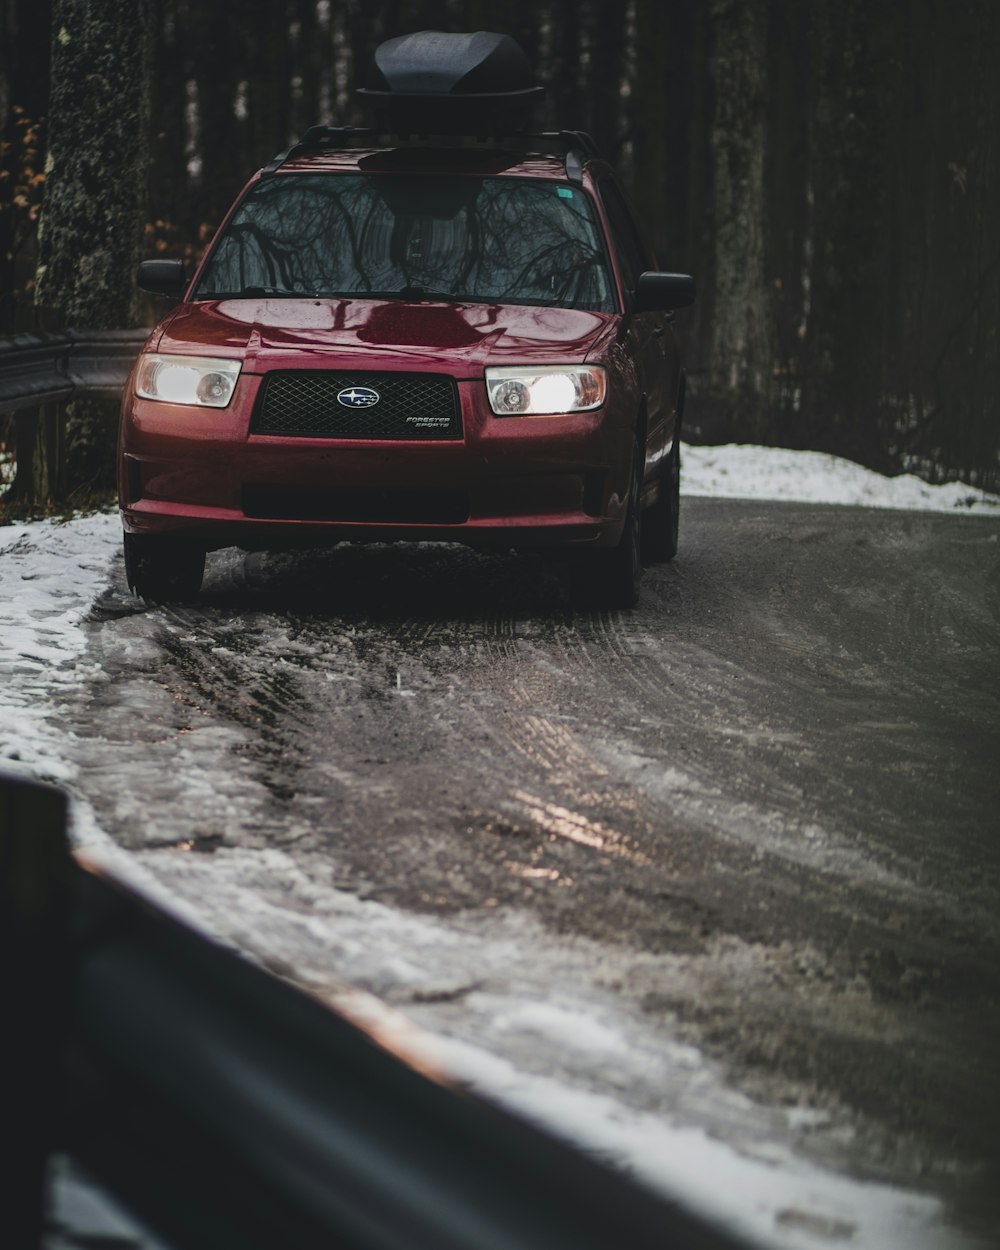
x=38, y=441
x=95, y=196
x=24, y=90
x=741, y=361
x=95, y=188
x=217, y=65
x=603, y=112
x=850, y=158
x=565, y=87
x=173, y=214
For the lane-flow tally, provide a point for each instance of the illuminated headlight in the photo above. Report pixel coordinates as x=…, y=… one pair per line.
x=187, y=380
x=549, y=389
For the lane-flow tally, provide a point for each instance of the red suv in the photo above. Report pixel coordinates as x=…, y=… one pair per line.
x=418, y=341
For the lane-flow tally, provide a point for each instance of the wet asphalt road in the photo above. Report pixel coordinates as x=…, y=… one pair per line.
x=767, y=798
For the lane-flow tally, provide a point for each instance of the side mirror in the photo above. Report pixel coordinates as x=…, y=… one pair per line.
x=660, y=292
x=162, y=277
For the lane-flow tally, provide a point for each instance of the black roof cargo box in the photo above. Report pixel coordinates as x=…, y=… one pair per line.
x=433, y=83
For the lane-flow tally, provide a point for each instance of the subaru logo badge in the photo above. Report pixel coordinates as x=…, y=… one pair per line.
x=358, y=397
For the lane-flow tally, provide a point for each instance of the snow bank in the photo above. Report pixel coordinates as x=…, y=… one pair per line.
x=50, y=574
x=737, y=471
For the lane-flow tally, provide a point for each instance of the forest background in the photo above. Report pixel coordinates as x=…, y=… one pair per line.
x=829, y=170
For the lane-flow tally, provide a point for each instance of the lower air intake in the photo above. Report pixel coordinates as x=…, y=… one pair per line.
x=365, y=507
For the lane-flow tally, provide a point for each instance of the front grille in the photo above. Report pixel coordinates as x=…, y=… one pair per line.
x=410, y=406
x=385, y=507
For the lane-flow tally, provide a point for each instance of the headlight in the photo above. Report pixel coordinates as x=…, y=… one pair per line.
x=526, y=392
x=187, y=380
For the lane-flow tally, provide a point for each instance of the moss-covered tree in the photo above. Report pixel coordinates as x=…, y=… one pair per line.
x=95, y=196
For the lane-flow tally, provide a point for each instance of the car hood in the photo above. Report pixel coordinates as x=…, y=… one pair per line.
x=368, y=334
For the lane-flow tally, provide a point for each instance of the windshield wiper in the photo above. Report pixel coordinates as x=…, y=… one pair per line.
x=422, y=292
x=277, y=291
x=412, y=293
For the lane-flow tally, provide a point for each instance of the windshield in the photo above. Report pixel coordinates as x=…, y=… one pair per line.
x=477, y=240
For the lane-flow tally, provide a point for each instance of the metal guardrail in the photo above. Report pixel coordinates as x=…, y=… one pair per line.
x=38, y=369
x=229, y=1111
x=39, y=374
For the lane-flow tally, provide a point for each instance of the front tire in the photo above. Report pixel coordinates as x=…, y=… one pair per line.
x=610, y=579
x=661, y=521
x=163, y=570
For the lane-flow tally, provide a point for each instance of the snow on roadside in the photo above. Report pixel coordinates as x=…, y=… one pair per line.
x=738, y=471
x=50, y=574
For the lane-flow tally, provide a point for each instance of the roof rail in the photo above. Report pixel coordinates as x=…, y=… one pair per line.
x=568, y=140
x=319, y=137
x=576, y=145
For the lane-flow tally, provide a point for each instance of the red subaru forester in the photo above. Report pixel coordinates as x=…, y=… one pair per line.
x=416, y=340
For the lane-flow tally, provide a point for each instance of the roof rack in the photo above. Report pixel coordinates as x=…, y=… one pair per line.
x=315, y=138
x=577, y=146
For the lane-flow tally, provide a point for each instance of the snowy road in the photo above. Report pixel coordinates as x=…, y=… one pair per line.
x=712, y=884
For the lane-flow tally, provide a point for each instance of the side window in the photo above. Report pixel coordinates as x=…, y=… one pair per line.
x=631, y=252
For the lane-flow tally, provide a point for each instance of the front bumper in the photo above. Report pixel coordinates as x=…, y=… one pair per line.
x=508, y=482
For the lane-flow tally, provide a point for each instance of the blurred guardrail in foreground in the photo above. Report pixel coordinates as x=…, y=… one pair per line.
x=39, y=375
x=228, y=1110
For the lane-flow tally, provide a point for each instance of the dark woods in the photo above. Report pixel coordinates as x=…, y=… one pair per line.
x=829, y=171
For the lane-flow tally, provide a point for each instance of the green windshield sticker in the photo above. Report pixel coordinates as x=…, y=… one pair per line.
x=564, y=193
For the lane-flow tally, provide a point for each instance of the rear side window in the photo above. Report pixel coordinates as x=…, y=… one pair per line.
x=482, y=240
